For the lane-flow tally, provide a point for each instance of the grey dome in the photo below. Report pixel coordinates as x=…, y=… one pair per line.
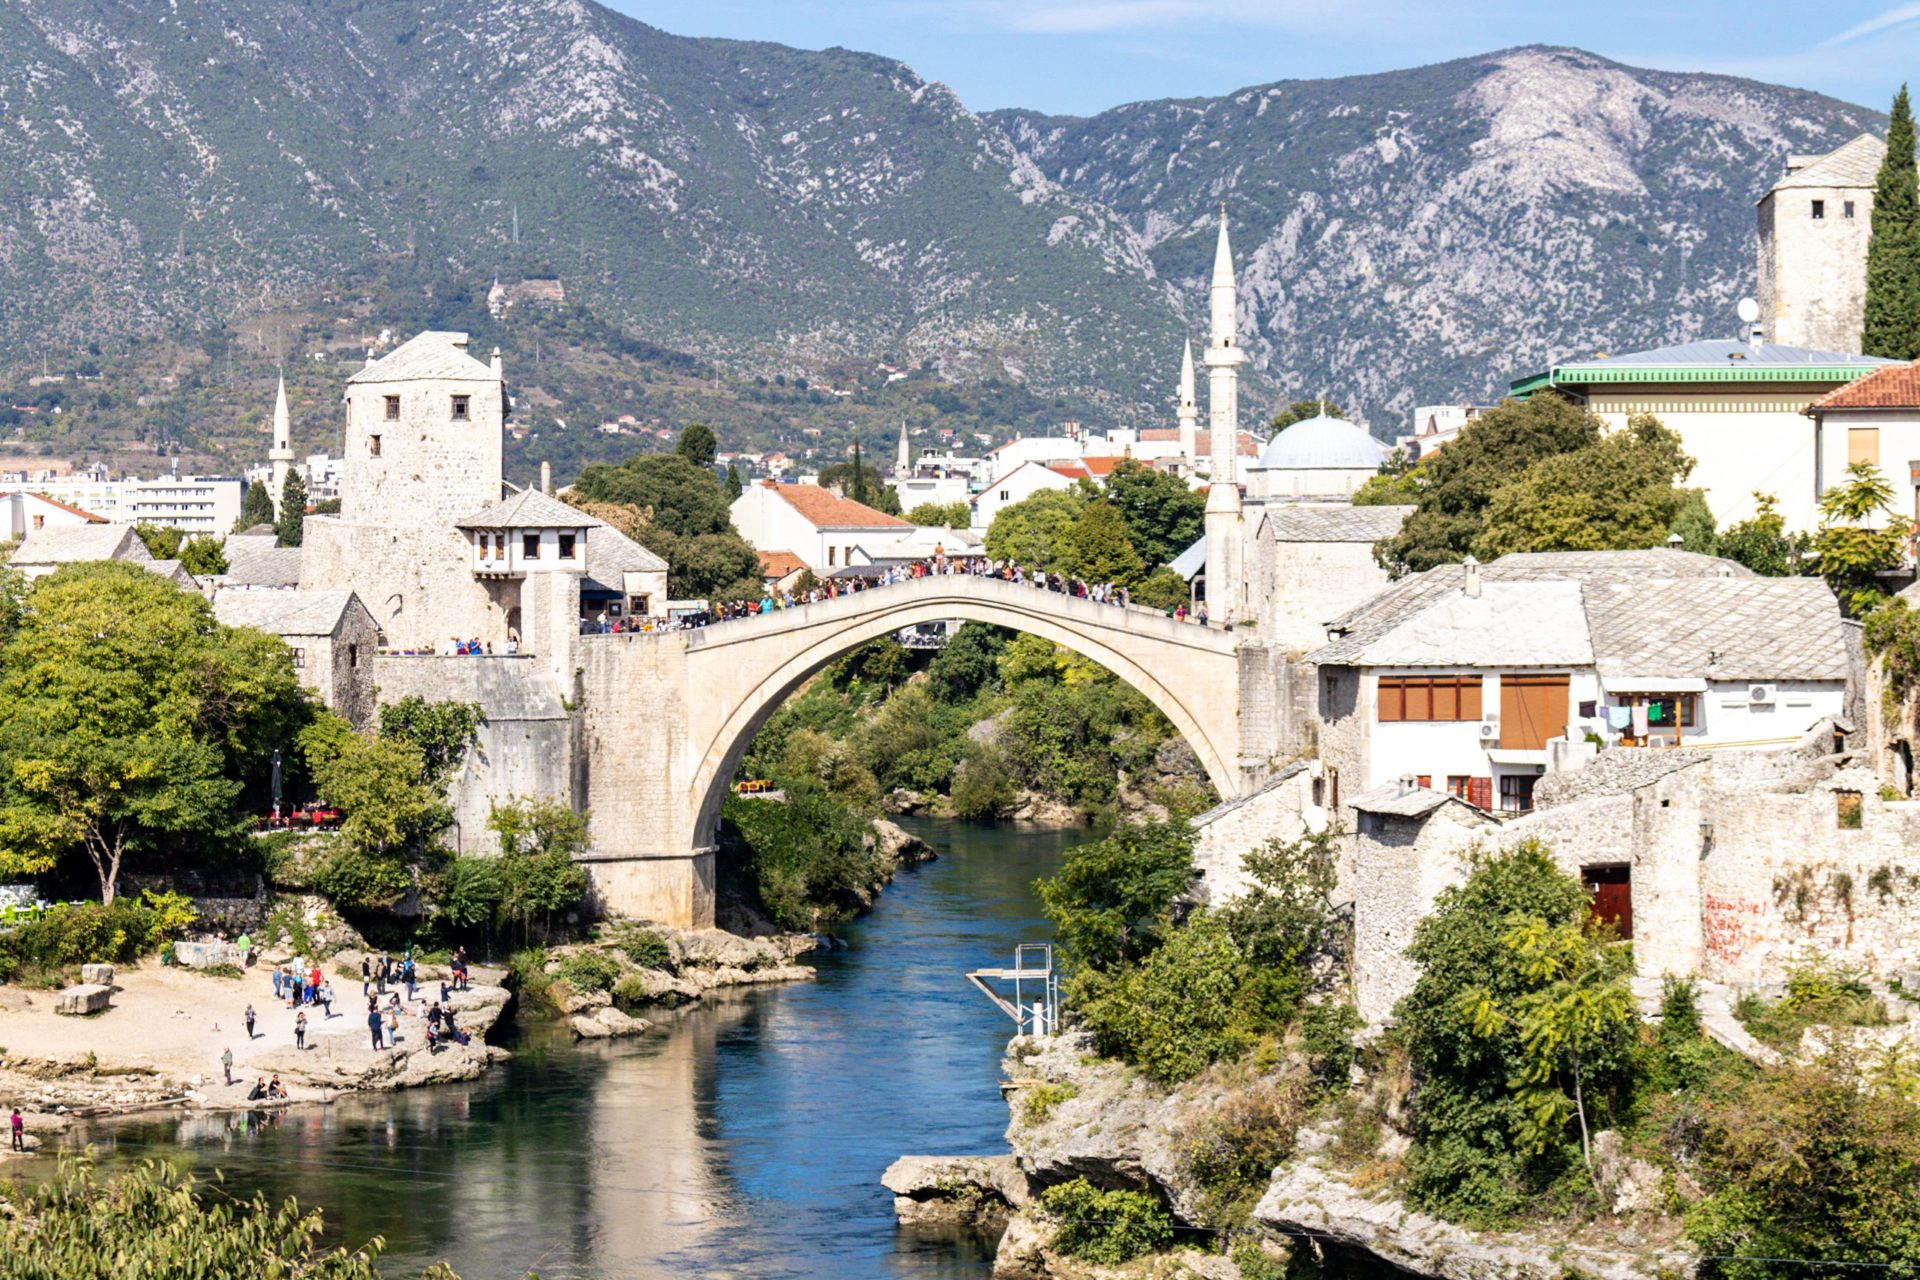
x=1321, y=443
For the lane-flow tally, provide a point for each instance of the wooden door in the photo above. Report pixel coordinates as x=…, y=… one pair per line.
x=1611, y=889
x=1533, y=708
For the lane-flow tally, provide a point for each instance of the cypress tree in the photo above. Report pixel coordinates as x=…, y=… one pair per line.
x=734, y=485
x=1892, y=325
x=256, y=507
x=292, y=525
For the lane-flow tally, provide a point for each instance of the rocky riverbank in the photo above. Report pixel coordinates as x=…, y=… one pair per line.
x=1329, y=1189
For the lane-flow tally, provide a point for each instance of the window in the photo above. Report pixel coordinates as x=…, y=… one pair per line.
x=353, y=655
x=831, y=551
x=1477, y=792
x=1863, y=445
x=530, y=546
x=1846, y=209
x=1533, y=708
x=1005, y=494
x=566, y=546
x=373, y=446
x=393, y=408
x=1819, y=210
x=1424, y=782
x=1451, y=697
x=299, y=659
x=39, y=522
x=1516, y=793
x=1664, y=711
x=460, y=407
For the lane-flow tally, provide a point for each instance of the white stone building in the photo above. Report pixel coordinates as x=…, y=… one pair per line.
x=1814, y=225
x=1318, y=457
x=48, y=549
x=1875, y=420
x=1476, y=681
x=816, y=524
x=1016, y=485
x=28, y=512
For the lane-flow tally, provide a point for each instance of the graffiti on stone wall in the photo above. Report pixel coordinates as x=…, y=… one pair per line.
x=1730, y=925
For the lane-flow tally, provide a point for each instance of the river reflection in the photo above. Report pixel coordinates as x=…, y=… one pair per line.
x=745, y=1139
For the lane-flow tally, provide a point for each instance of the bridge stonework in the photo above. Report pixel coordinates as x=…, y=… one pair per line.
x=666, y=716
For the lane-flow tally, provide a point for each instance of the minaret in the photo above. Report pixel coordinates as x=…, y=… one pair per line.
x=281, y=455
x=1188, y=411
x=1223, y=359
x=902, y=460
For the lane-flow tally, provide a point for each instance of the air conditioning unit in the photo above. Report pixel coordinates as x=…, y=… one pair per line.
x=1760, y=693
x=1489, y=731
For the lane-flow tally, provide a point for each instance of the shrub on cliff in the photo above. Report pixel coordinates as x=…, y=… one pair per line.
x=1105, y=1227
x=152, y=1220
x=807, y=859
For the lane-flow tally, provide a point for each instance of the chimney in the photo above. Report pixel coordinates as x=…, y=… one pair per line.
x=1472, y=584
x=1675, y=542
x=546, y=472
x=1406, y=784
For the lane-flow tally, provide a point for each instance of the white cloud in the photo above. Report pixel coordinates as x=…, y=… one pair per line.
x=1898, y=16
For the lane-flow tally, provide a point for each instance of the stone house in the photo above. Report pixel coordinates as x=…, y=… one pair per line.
x=816, y=524
x=331, y=634
x=1309, y=563
x=1478, y=681
x=49, y=548
x=1814, y=224
x=1017, y=484
x=27, y=512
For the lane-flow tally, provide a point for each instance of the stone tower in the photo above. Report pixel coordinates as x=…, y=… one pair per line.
x=1223, y=358
x=424, y=443
x=1188, y=410
x=280, y=457
x=1814, y=226
x=903, y=460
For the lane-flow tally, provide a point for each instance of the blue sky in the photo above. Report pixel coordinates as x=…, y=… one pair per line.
x=1081, y=56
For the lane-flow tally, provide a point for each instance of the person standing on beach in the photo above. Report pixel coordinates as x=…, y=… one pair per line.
x=300, y=1030
x=373, y=1023
x=226, y=1063
x=249, y=1022
x=19, y=1127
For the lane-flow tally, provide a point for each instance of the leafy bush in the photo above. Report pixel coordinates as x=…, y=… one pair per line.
x=469, y=892
x=88, y=933
x=647, y=949
x=1326, y=1037
x=1231, y=1152
x=1037, y=1101
x=151, y=1220
x=1190, y=1003
x=1112, y=899
x=357, y=878
x=589, y=971
x=808, y=858
x=1105, y=1227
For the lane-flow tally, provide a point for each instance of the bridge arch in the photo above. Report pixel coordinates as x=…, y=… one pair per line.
x=1187, y=672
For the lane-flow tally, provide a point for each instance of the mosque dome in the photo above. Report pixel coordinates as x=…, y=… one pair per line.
x=1321, y=443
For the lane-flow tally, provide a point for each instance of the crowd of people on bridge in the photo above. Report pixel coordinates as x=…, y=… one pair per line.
x=772, y=601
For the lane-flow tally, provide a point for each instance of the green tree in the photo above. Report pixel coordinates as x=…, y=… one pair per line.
x=1478, y=1154
x=1097, y=547
x=1891, y=327
x=539, y=840
x=680, y=497
x=130, y=719
x=468, y=893
x=1761, y=541
x=162, y=543
x=1851, y=553
x=1301, y=410
x=394, y=812
x=1163, y=515
x=1034, y=531
x=153, y=1220
x=256, y=507
x=1617, y=493
x=1112, y=900
x=735, y=486
x=941, y=515
x=859, y=481
x=292, y=523
x=1696, y=526
x=697, y=444
x=1461, y=480
x=807, y=859
x=1387, y=489
x=202, y=557
x=442, y=731
x=968, y=664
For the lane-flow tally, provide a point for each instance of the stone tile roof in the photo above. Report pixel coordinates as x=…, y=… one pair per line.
x=1509, y=624
x=528, y=509
x=1392, y=801
x=1302, y=522
x=611, y=555
x=1853, y=164
x=260, y=562
x=1718, y=629
x=173, y=571
x=282, y=613
x=1359, y=627
x=70, y=544
x=1894, y=386
x=429, y=354
x=825, y=509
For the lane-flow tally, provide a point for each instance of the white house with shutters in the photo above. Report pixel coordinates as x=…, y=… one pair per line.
x=1477, y=680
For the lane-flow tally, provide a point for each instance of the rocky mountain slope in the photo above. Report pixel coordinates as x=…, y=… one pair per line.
x=1422, y=234
x=179, y=170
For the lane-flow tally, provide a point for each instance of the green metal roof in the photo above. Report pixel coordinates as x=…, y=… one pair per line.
x=1583, y=375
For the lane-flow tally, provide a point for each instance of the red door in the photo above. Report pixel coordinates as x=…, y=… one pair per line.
x=1611, y=889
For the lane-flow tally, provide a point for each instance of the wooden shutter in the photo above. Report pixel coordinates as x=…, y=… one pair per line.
x=1446, y=698
x=1393, y=694
x=1533, y=708
x=1863, y=445
x=1419, y=698
x=1470, y=687
x=1480, y=793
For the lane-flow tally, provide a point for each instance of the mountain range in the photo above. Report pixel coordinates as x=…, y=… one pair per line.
x=1408, y=237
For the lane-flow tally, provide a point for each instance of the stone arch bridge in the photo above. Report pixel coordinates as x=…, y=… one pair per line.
x=666, y=716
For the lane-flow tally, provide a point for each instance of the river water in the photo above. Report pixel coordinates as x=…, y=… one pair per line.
x=745, y=1139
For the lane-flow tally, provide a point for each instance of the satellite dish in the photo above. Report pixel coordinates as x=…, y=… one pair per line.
x=1749, y=311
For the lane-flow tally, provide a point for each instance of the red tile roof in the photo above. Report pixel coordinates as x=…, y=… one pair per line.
x=72, y=510
x=1894, y=386
x=825, y=509
x=778, y=564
